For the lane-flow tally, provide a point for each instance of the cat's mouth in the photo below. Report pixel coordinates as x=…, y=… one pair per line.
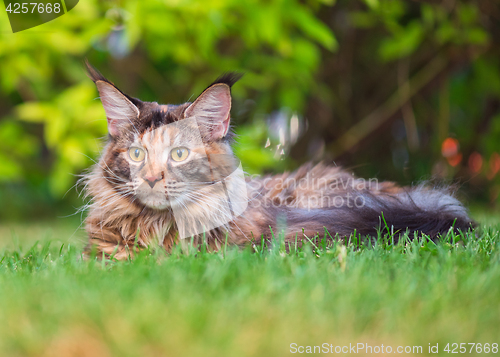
x=156, y=202
x=162, y=202
x=154, y=199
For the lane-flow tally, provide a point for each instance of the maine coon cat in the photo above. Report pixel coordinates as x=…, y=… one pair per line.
x=168, y=172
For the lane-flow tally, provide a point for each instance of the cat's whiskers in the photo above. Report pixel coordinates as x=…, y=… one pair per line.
x=112, y=203
x=111, y=181
x=74, y=186
x=115, y=177
x=107, y=169
x=111, y=199
x=116, y=196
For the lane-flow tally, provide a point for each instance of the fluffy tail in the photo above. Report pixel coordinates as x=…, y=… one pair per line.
x=423, y=210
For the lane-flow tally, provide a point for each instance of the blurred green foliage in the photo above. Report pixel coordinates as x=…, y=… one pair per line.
x=49, y=113
x=332, y=63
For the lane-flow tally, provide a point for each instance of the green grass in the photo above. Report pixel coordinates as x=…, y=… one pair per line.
x=247, y=303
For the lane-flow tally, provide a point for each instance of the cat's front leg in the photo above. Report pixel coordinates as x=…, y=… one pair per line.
x=107, y=242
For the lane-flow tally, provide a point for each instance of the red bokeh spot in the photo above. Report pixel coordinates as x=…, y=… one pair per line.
x=495, y=162
x=450, y=147
x=450, y=150
x=494, y=165
x=454, y=160
x=475, y=162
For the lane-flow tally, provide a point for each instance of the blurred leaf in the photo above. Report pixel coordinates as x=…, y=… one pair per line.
x=9, y=168
x=403, y=43
x=446, y=32
x=467, y=13
x=61, y=178
x=34, y=111
x=14, y=139
x=477, y=36
x=315, y=29
x=372, y=4
x=428, y=14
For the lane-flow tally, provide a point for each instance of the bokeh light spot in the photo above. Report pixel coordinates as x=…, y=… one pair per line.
x=475, y=162
x=450, y=147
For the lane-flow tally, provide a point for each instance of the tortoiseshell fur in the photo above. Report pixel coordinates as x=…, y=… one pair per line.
x=118, y=220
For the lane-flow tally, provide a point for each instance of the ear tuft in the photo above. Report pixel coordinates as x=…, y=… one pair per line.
x=94, y=74
x=229, y=78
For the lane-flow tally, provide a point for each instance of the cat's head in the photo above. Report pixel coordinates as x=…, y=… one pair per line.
x=158, y=156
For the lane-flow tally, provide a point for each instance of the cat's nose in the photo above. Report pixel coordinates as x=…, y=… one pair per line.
x=152, y=180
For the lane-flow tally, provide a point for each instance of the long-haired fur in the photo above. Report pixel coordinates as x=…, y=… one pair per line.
x=298, y=205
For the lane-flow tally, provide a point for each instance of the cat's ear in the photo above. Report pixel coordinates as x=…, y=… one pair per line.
x=212, y=108
x=120, y=111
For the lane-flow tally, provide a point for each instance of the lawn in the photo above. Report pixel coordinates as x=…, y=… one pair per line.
x=249, y=303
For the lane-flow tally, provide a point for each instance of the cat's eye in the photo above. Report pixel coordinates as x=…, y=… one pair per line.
x=179, y=154
x=136, y=154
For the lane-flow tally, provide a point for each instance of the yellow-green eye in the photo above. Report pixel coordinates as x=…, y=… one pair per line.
x=179, y=154
x=136, y=154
